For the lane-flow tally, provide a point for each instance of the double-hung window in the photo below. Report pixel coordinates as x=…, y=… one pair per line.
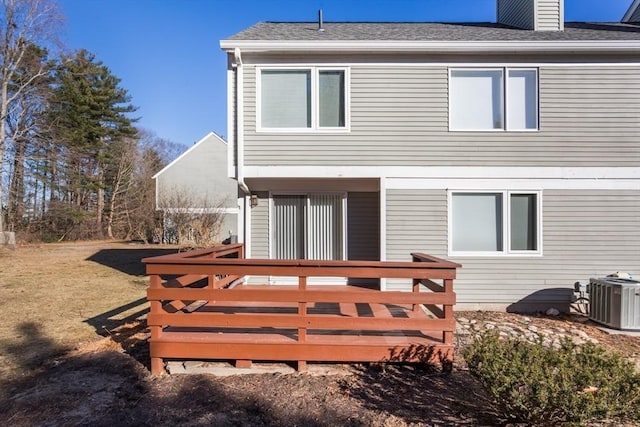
x=302, y=99
x=485, y=99
x=494, y=223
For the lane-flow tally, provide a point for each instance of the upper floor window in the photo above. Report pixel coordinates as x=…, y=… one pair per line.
x=482, y=99
x=302, y=99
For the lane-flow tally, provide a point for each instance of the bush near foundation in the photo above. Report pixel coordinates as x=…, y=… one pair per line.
x=534, y=384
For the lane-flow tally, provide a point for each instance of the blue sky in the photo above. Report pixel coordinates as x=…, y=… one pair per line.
x=167, y=51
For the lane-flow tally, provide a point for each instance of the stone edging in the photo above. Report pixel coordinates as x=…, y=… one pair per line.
x=523, y=329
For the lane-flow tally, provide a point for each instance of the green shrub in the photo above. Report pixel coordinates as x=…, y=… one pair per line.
x=535, y=384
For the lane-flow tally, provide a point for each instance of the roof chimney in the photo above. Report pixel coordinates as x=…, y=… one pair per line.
x=537, y=15
x=320, y=21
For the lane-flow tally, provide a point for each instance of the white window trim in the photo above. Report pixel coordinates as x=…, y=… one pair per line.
x=505, y=83
x=506, y=234
x=343, y=194
x=315, y=128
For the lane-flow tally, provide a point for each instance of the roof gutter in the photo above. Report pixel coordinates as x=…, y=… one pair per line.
x=515, y=46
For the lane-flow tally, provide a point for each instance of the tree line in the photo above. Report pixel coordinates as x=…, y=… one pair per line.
x=73, y=164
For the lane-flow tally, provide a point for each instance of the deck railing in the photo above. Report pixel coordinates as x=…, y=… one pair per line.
x=201, y=308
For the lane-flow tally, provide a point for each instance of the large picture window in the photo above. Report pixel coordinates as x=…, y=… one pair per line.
x=483, y=99
x=503, y=222
x=302, y=99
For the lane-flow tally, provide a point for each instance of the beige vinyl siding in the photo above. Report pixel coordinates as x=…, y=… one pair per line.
x=549, y=16
x=589, y=116
x=260, y=227
x=520, y=14
x=249, y=82
x=586, y=233
x=416, y=222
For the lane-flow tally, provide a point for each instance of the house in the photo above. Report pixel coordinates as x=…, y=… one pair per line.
x=197, y=182
x=512, y=148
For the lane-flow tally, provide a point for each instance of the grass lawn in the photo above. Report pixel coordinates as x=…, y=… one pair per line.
x=58, y=297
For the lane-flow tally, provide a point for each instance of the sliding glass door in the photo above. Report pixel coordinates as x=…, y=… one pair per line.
x=309, y=226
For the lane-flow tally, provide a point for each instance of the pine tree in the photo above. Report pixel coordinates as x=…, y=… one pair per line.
x=90, y=115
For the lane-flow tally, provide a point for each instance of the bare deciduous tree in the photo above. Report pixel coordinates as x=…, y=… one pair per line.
x=23, y=23
x=133, y=202
x=190, y=219
x=25, y=130
x=121, y=183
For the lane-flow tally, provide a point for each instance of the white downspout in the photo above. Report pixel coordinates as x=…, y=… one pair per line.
x=246, y=209
x=383, y=227
x=240, y=119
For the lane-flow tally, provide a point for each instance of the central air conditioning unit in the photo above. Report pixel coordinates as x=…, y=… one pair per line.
x=615, y=302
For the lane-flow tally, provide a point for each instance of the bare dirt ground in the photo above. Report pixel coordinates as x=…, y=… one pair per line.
x=73, y=353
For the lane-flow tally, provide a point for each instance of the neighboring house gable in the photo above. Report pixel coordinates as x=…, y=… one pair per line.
x=197, y=180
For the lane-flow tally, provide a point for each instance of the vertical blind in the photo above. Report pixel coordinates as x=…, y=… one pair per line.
x=325, y=234
x=308, y=227
x=286, y=98
x=288, y=227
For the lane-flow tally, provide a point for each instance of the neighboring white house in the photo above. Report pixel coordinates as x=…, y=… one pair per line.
x=197, y=181
x=512, y=148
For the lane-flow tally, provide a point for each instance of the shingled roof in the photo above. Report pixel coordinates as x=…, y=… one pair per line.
x=407, y=31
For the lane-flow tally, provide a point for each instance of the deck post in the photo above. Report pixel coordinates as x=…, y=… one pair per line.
x=302, y=313
x=416, y=289
x=243, y=364
x=416, y=284
x=447, y=336
x=155, y=307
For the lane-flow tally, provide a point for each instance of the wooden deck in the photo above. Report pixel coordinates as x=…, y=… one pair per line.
x=204, y=311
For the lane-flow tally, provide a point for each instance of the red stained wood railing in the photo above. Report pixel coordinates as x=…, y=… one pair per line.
x=201, y=307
